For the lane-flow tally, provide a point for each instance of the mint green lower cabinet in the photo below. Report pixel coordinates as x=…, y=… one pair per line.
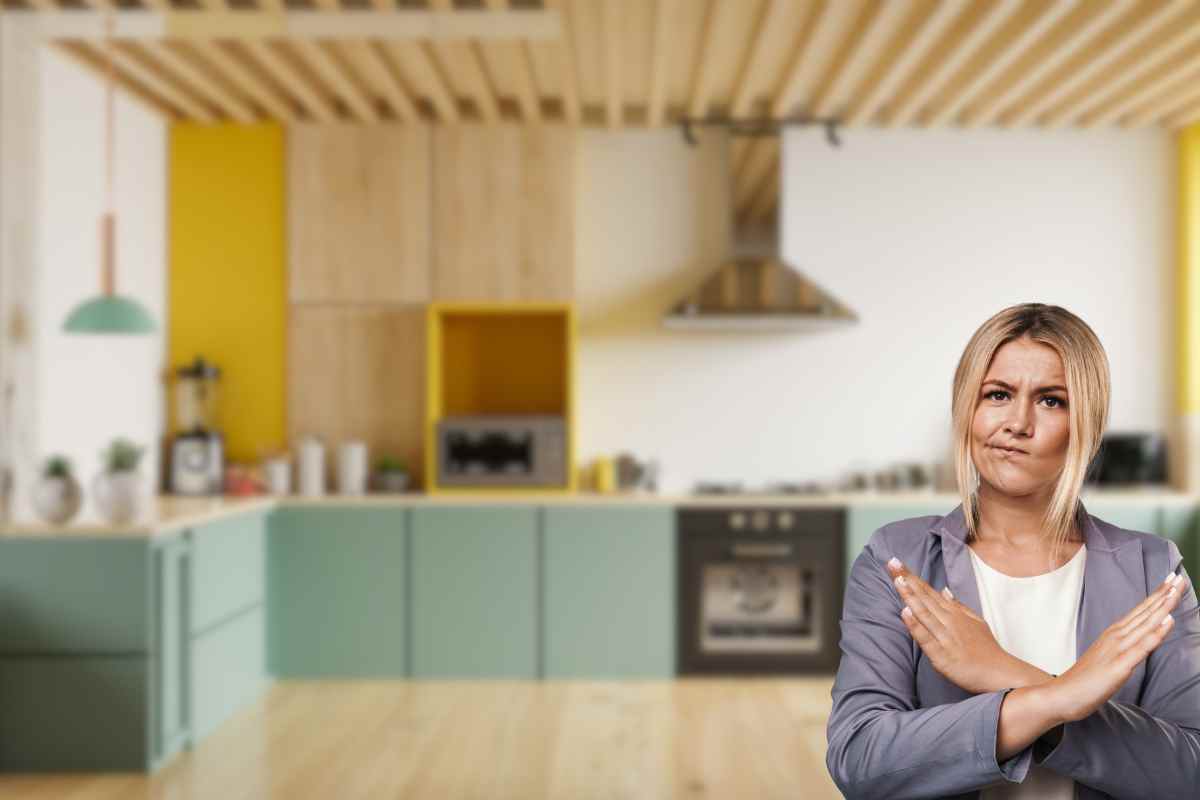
x=228, y=568
x=74, y=713
x=609, y=592
x=1144, y=517
x=227, y=671
x=336, y=592
x=862, y=520
x=171, y=729
x=1181, y=524
x=61, y=595
x=474, y=592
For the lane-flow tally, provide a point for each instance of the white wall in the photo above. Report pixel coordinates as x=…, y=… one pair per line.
x=923, y=233
x=94, y=388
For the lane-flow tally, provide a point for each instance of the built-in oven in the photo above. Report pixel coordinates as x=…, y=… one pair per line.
x=759, y=588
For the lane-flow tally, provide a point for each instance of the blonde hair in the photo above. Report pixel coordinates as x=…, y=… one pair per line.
x=1088, y=390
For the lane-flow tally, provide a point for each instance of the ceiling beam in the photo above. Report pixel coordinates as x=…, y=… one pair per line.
x=1181, y=92
x=470, y=62
x=416, y=62
x=336, y=77
x=384, y=78
x=702, y=84
x=85, y=56
x=1026, y=26
x=520, y=67
x=246, y=80
x=917, y=34
x=1078, y=28
x=963, y=38
x=875, y=21
x=610, y=26
x=279, y=69
x=1176, y=35
x=660, y=61
x=568, y=64
x=801, y=65
x=1166, y=79
x=201, y=82
x=771, y=16
x=230, y=23
x=154, y=80
x=1116, y=40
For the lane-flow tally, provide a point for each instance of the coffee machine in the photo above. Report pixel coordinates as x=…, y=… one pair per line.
x=198, y=450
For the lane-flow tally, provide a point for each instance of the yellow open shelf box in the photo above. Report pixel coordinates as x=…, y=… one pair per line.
x=499, y=358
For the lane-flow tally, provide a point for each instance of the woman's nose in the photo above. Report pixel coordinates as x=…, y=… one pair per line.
x=1018, y=420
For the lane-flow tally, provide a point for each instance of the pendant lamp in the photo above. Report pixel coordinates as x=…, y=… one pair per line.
x=109, y=313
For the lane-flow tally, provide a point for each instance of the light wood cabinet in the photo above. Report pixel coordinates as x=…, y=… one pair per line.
x=359, y=213
x=503, y=212
x=359, y=373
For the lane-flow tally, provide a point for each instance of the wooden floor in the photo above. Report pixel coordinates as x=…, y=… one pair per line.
x=691, y=738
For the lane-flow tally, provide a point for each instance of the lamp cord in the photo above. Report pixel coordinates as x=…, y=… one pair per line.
x=107, y=221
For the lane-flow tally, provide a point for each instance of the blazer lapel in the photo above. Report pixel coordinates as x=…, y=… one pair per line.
x=1114, y=581
x=960, y=572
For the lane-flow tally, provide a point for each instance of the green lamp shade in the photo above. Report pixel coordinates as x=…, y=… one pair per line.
x=109, y=314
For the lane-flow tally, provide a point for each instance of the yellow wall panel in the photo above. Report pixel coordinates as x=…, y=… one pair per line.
x=226, y=295
x=1188, y=309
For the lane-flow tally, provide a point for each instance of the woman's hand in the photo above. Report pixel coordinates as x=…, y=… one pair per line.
x=957, y=641
x=1111, y=659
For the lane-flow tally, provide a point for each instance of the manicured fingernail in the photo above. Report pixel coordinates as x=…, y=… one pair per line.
x=1170, y=577
x=900, y=581
x=1165, y=620
x=894, y=562
x=906, y=612
x=1176, y=580
x=948, y=593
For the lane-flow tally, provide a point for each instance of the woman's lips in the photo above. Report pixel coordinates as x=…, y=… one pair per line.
x=1009, y=451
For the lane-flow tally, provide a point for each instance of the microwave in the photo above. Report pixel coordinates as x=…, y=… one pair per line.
x=502, y=450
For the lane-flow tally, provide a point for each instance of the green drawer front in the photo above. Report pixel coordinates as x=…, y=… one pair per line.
x=88, y=596
x=609, y=599
x=228, y=671
x=87, y=713
x=474, y=593
x=336, y=593
x=227, y=568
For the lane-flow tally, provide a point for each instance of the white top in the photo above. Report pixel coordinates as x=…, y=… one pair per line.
x=1034, y=618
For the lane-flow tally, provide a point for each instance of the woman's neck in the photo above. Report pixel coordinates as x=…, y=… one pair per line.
x=1014, y=522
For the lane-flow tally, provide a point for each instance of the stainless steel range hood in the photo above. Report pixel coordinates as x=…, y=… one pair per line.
x=755, y=289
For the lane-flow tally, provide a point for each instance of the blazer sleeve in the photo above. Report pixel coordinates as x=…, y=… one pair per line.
x=880, y=744
x=1152, y=748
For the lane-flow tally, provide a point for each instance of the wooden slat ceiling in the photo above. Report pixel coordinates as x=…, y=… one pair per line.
x=648, y=63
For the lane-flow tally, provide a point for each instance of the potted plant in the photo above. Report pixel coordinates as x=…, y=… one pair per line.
x=117, y=488
x=57, y=495
x=391, y=474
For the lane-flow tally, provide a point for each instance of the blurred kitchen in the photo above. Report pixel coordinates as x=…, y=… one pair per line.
x=390, y=382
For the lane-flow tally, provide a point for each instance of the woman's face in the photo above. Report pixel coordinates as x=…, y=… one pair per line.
x=1022, y=404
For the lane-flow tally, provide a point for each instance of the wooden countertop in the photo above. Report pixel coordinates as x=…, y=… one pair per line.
x=169, y=513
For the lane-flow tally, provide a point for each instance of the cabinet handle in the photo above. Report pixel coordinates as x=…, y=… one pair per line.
x=761, y=550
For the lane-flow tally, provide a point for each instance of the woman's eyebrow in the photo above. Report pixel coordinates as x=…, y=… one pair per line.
x=1012, y=388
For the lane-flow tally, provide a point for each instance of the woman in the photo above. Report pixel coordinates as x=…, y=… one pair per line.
x=1019, y=647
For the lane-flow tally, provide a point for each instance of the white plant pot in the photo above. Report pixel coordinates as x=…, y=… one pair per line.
x=118, y=496
x=57, y=500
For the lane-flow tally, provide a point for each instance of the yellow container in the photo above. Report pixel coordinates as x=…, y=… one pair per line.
x=604, y=474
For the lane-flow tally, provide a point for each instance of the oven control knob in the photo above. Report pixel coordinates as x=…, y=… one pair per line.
x=785, y=520
x=737, y=520
x=761, y=520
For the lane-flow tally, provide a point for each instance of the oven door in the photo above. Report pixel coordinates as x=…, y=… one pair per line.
x=759, y=599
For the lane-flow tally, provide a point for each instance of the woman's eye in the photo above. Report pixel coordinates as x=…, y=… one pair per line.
x=1057, y=402
x=994, y=392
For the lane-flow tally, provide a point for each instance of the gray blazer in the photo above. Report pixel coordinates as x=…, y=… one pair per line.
x=900, y=729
